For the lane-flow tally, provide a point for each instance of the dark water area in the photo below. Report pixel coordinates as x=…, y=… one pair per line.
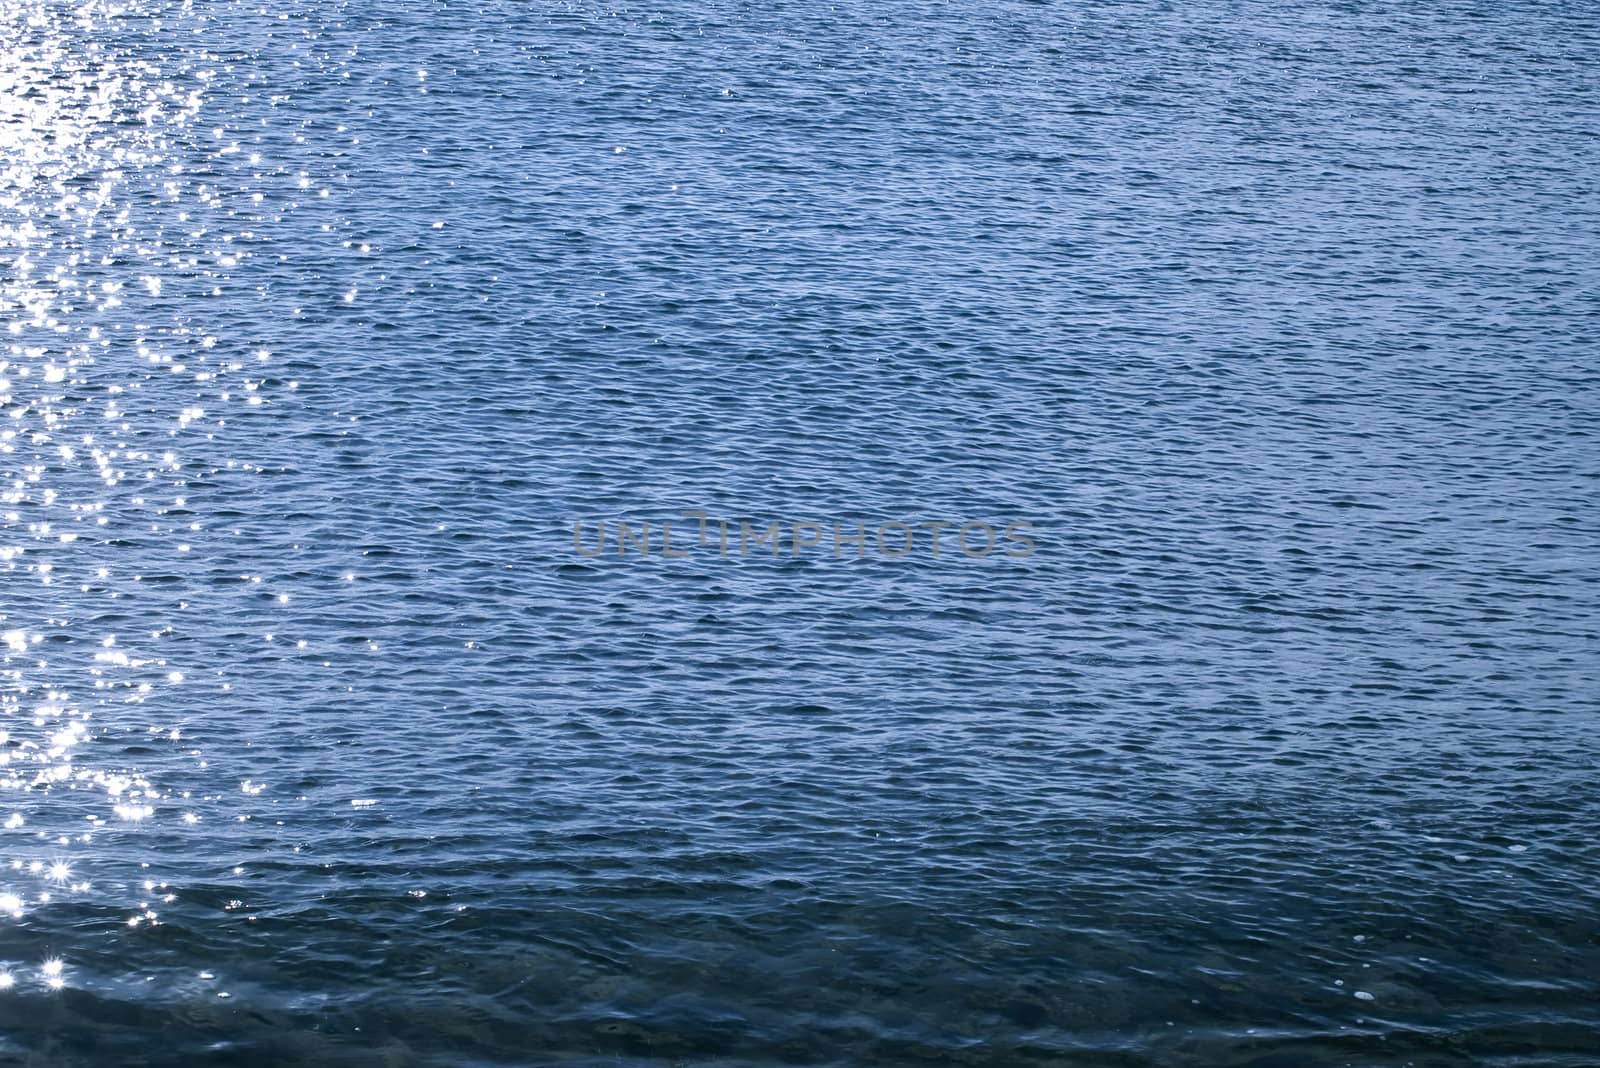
x=1261, y=338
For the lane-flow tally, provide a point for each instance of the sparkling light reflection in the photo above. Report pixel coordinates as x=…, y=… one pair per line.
x=129, y=197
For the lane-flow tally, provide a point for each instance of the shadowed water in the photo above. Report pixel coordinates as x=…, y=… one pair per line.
x=325, y=745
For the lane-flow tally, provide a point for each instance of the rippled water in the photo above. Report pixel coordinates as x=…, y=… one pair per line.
x=324, y=742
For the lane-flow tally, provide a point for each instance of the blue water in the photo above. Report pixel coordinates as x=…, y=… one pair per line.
x=1267, y=738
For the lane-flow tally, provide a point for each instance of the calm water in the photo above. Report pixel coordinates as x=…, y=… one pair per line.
x=324, y=322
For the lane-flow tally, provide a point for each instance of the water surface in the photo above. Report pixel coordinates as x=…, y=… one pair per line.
x=324, y=322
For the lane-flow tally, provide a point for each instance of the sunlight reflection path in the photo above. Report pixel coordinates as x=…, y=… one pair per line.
x=124, y=206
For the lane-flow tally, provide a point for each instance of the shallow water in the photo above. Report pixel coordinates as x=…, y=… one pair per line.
x=325, y=744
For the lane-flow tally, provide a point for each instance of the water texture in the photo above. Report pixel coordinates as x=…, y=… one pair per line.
x=325, y=744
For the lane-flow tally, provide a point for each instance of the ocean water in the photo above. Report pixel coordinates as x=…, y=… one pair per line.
x=1261, y=338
